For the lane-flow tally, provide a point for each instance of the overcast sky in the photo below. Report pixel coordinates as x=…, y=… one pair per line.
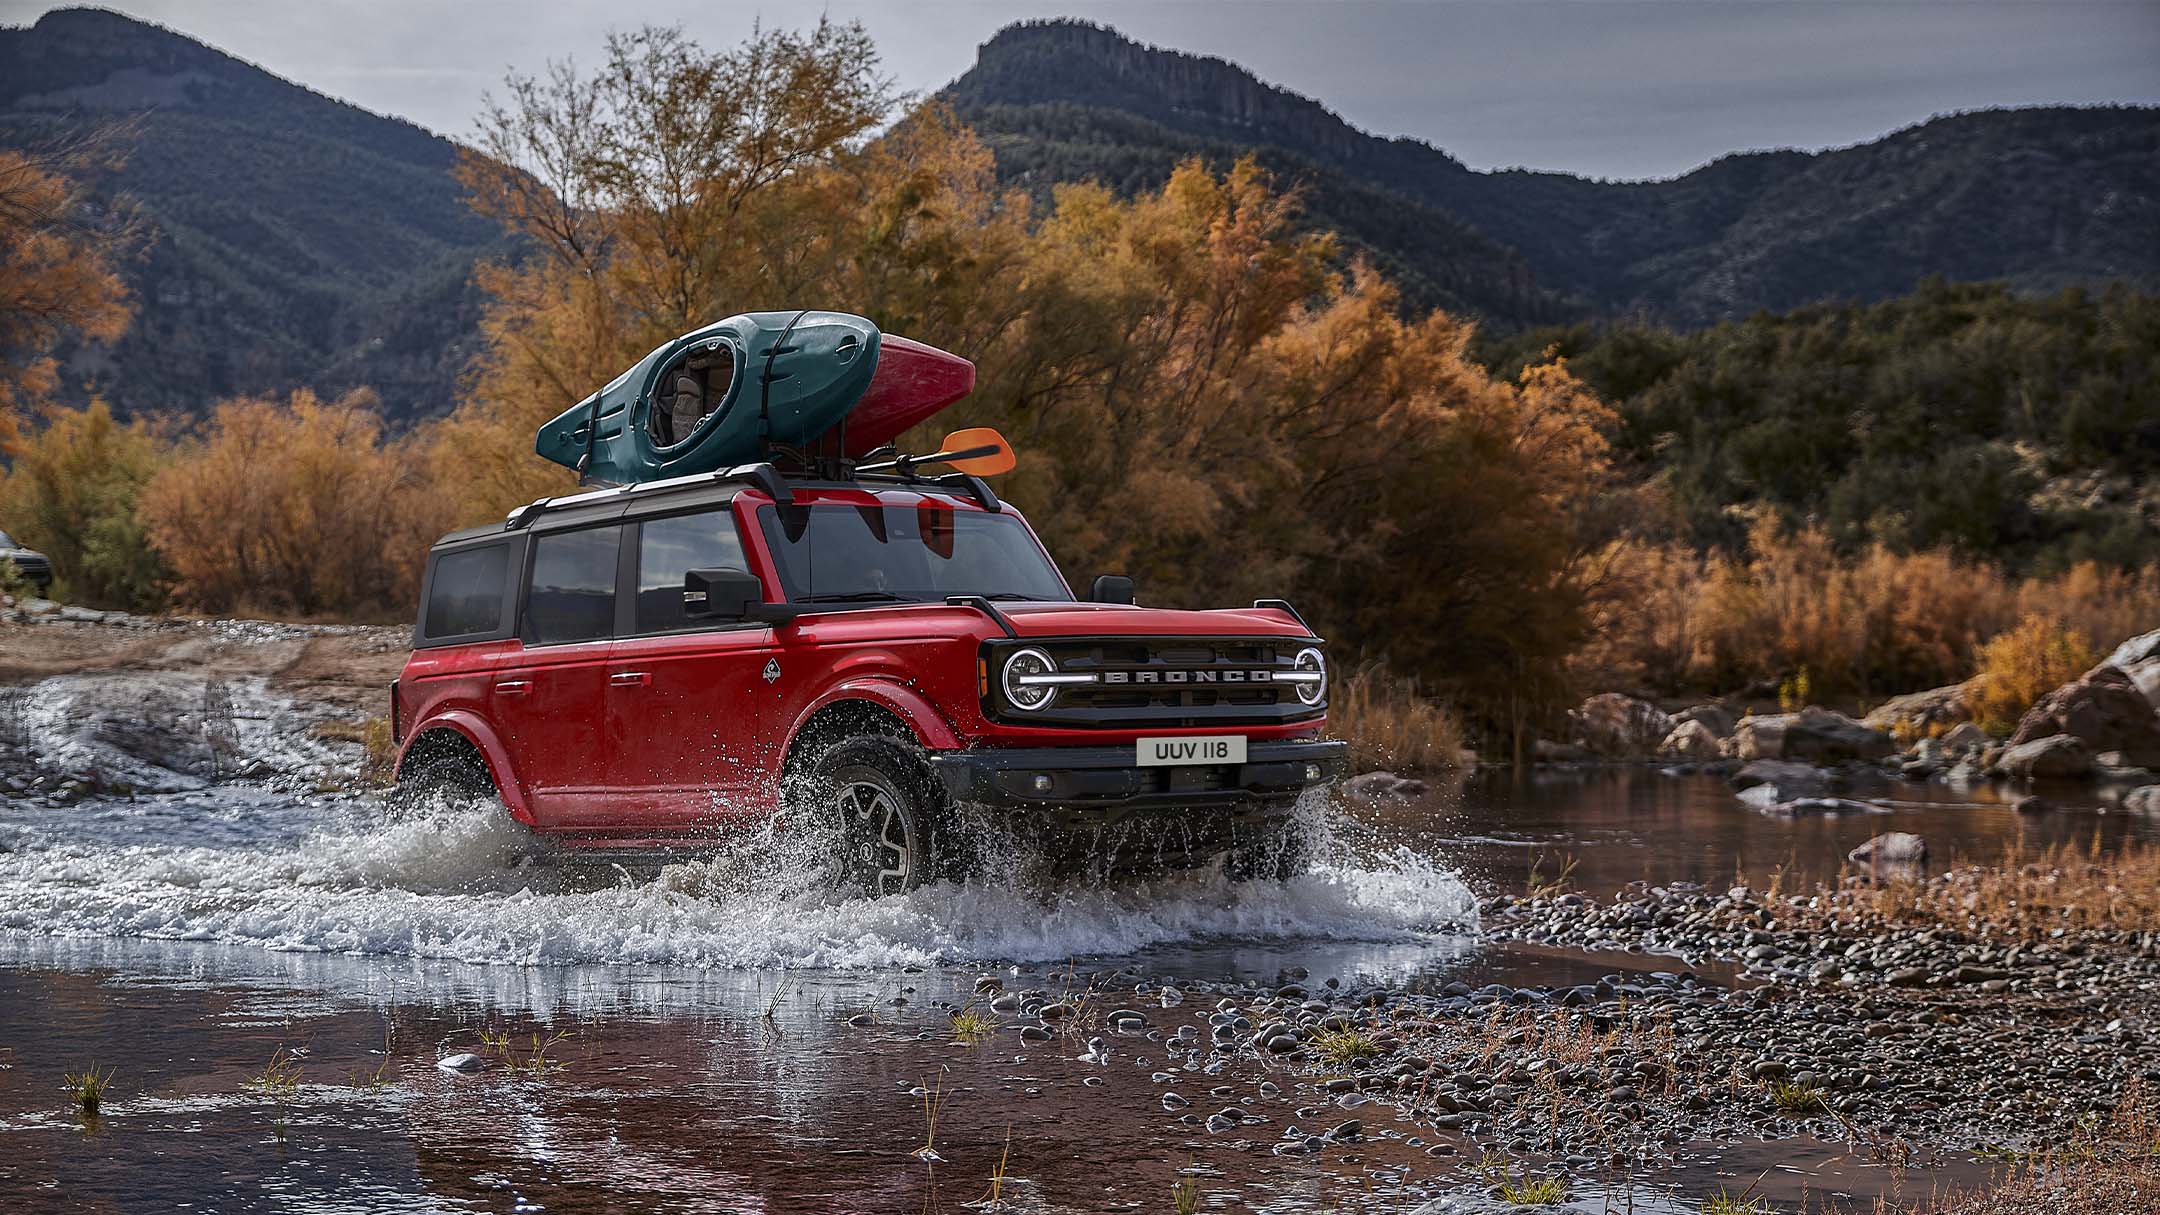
x=1610, y=88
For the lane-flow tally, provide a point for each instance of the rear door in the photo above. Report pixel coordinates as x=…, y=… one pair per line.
x=550, y=702
x=689, y=704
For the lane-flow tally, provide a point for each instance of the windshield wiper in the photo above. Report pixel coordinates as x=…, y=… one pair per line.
x=1013, y=595
x=854, y=597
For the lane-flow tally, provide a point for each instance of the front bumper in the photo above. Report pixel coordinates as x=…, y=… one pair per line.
x=1099, y=785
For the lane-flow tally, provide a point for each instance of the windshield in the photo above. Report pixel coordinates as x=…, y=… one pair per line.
x=906, y=554
x=6, y=541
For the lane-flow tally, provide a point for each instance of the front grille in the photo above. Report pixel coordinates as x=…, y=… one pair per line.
x=1159, y=681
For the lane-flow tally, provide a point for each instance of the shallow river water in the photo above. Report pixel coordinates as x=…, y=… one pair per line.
x=715, y=1038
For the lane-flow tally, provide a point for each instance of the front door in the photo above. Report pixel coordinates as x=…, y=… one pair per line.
x=689, y=703
x=549, y=701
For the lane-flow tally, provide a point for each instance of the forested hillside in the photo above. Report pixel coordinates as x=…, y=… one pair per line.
x=2041, y=198
x=292, y=240
x=2017, y=429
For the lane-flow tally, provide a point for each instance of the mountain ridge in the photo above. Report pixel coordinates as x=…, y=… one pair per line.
x=304, y=241
x=295, y=239
x=1680, y=249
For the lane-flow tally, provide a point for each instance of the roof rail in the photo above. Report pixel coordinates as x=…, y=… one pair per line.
x=763, y=476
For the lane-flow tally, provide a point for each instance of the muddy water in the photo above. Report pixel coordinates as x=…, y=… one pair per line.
x=716, y=1037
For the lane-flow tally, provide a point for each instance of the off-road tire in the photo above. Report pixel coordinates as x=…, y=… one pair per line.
x=885, y=810
x=443, y=779
x=1271, y=853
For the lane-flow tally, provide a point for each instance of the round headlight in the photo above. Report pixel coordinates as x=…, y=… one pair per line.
x=1022, y=671
x=1312, y=671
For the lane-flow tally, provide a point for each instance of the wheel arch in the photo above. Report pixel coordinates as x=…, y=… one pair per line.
x=459, y=734
x=870, y=706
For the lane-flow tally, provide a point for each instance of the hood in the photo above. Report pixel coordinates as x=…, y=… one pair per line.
x=1127, y=620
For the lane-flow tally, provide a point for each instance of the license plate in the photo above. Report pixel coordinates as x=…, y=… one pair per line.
x=1192, y=749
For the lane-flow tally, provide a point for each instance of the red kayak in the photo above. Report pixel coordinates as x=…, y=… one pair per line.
x=912, y=382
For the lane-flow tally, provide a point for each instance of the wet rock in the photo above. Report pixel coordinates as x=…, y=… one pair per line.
x=1351, y=1129
x=1780, y=781
x=1966, y=739
x=1172, y=1101
x=2101, y=709
x=1554, y=751
x=2145, y=800
x=1376, y=786
x=1918, y=714
x=1716, y=718
x=2139, y=659
x=1890, y=848
x=1813, y=734
x=1615, y=726
x=463, y=1061
x=2058, y=755
x=1034, y=1033
x=1690, y=740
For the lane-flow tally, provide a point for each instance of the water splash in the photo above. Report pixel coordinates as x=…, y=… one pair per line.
x=465, y=882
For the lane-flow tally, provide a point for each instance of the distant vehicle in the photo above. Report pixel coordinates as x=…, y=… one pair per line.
x=866, y=645
x=34, y=566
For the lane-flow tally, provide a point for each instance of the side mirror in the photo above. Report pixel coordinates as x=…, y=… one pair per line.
x=1111, y=588
x=729, y=594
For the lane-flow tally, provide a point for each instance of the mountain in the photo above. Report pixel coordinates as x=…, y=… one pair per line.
x=2040, y=198
x=295, y=239
x=298, y=240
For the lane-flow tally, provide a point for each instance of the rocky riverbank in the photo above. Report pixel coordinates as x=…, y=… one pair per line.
x=105, y=703
x=1825, y=1021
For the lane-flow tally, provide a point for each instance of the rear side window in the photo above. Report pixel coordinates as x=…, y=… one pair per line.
x=466, y=594
x=572, y=592
x=671, y=548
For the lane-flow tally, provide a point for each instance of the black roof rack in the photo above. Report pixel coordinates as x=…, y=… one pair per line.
x=763, y=476
x=767, y=477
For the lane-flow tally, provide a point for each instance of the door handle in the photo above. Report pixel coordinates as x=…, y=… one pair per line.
x=514, y=687
x=629, y=679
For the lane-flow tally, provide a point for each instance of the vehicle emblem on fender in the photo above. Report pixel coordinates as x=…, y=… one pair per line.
x=772, y=670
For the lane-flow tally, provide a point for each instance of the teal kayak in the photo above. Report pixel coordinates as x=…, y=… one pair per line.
x=716, y=396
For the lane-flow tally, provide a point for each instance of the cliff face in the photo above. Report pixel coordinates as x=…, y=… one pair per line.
x=2041, y=197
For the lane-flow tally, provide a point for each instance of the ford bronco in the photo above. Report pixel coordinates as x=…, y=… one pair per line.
x=655, y=664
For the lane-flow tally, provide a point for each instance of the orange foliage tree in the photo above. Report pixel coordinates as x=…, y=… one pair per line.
x=295, y=508
x=56, y=267
x=1206, y=397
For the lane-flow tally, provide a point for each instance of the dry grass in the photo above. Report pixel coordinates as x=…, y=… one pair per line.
x=1871, y=624
x=2025, y=894
x=2113, y=1169
x=2018, y=667
x=1346, y=1047
x=970, y=1026
x=1390, y=724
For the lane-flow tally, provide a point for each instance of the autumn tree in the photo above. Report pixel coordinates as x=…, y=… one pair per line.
x=57, y=266
x=298, y=507
x=1206, y=396
x=646, y=191
x=71, y=492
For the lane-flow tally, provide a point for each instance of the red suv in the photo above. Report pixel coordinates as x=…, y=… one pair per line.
x=886, y=655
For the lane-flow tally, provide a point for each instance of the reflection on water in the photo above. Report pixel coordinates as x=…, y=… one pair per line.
x=704, y=1053
x=1617, y=825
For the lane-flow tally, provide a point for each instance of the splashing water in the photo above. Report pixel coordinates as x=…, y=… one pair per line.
x=466, y=882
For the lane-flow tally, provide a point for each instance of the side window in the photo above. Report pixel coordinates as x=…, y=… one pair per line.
x=466, y=594
x=670, y=548
x=572, y=595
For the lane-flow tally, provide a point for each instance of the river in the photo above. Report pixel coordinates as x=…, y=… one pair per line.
x=713, y=1037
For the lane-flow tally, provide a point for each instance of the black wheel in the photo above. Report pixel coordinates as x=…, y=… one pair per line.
x=1270, y=853
x=443, y=780
x=880, y=802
